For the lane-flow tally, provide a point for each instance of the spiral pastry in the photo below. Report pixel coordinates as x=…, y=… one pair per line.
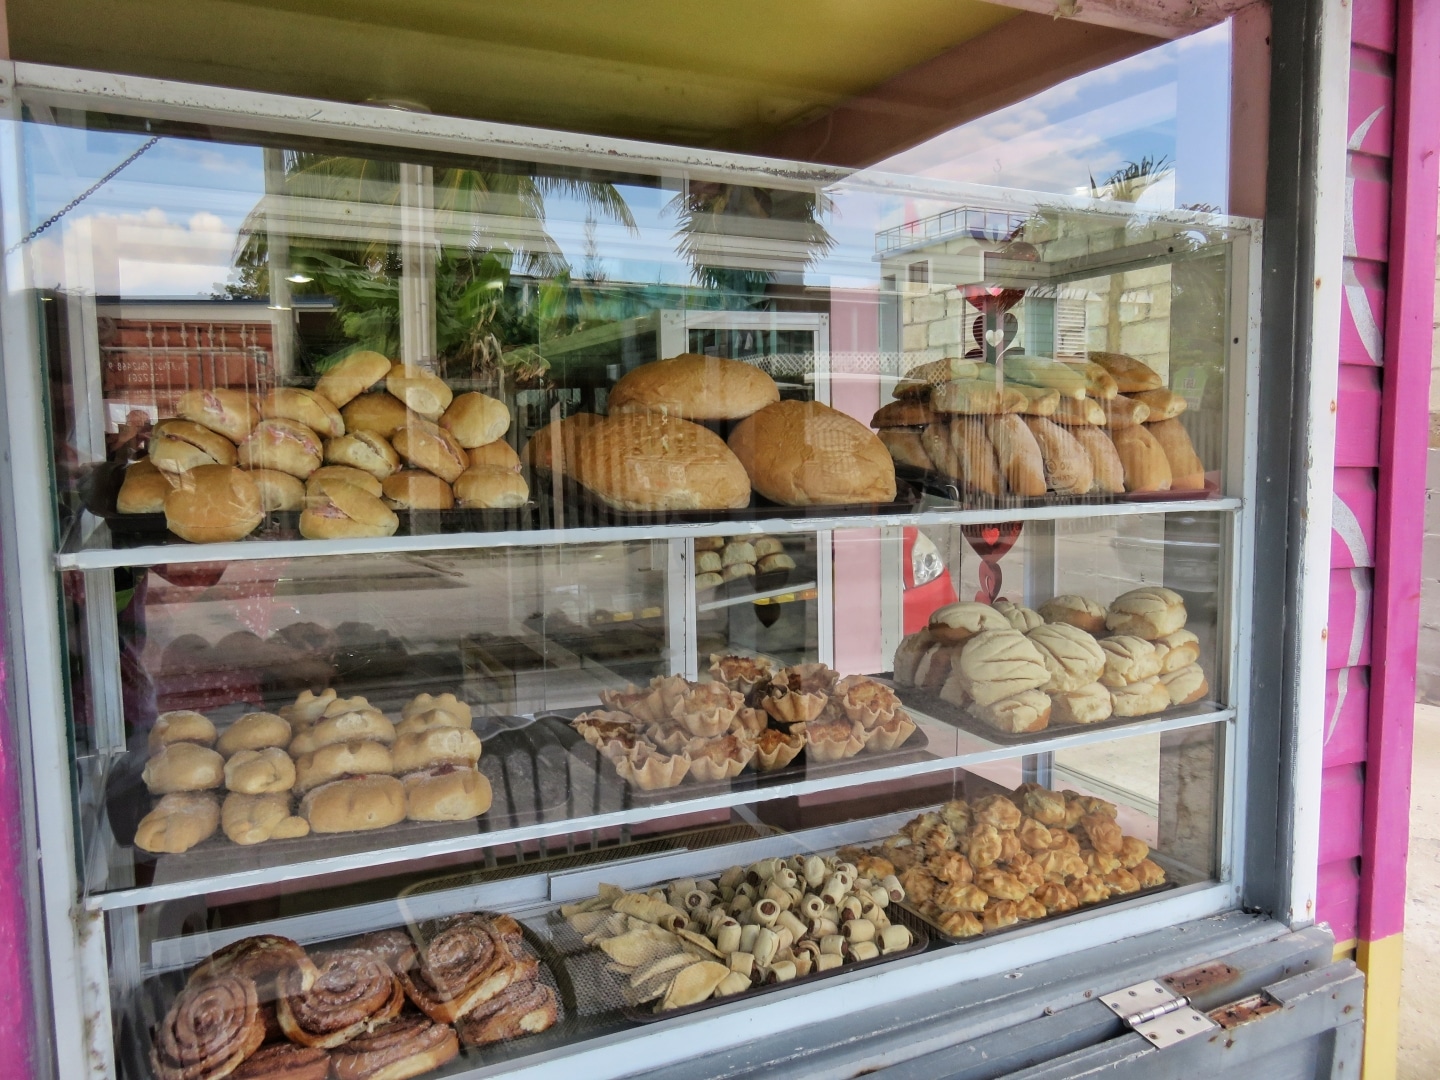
x=466, y=962
x=262, y=958
x=354, y=992
x=284, y=1061
x=405, y=1047
x=395, y=947
x=210, y=1029
x=523, y=1008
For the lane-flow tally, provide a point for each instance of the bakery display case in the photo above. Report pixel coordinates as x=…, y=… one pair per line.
x=511, y=606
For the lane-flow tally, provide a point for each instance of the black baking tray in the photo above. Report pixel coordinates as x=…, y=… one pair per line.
x=989, y=935
x=935, y=706
x=946, y=487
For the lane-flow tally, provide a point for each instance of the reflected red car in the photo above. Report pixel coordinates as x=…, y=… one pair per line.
x=927, y=582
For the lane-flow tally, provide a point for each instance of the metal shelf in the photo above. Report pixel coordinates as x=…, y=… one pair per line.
x=656, y=811
x=103, y=558
x=751, y=598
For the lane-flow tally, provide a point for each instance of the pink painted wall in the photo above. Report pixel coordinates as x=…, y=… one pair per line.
x=15, y=999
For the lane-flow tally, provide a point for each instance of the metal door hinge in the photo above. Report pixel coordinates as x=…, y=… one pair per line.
x=1157, y=1014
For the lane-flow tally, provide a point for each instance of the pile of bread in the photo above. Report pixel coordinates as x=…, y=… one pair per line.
x=1006, y=859
x=1071, y=661
x=1105, y=427
x=372, y=437
x=718, y=560
x=348, y=765
x=382, y=1007
x=773, y=921
x=749, y=713
x=654, y=452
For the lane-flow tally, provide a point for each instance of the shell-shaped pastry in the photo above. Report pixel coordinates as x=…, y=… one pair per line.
x=1104, y=835
x=888, y=734
x=1029, y=908
x=1121, y=881
x=1088, y=888
x=1033, y=836
x=1001, y=884
x=866, y=701
x=1148, y=874
x=740, y=673
x=650, y=771
x=668, y=738
x=999, y=914
x=776, y=749
x=750, y=721
x=707, y=709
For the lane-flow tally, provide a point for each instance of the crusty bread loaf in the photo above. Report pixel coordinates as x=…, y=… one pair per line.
x=1067, y=465
x=360, y=722
x=446, y=793
x=1122, y=411
x=935, y=442
x=283, y=445
x=651, y=461
x=978, y=397
x=804, y=453
x=416, y=489
x=306, y=407
x=903, y=414
x=1099, y=383
x=695, y=387
x=558, y=437
x=421, y=704
x=422, y=391
x=935, y=372
x=1018, y=455
x=428, y=446
x=1164, y=404
x=351, y=376
x=213, y=504
x=359, y=758
x=1078, y=412
x=380, y=413
x=491, y=487
x=1106, y=471
x=260, y=772
x=314, y=483
x=475, y=419
x=176, y=446
x=181, y=725
x=179, y=822
x=143, y=489
x=1187, y=472
x=363, y=450
x=1146, y=466
x=1130, y=375
x=229, y=412
x=355, y=804
x=278, y=490
x=975, y=453
x=498, y=453
x=906, y=447
x=339, y=509
x=1039, y=400
x=417, y=750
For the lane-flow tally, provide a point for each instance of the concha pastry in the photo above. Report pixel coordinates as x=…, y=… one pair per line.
x=1027, y=711
x=1128, y=659
x=1144, y=697
x=1087, y=705
x=1149, y=612
x=1073, y=656
x=1020, y=618
x=1076, y=610
x=998, y=664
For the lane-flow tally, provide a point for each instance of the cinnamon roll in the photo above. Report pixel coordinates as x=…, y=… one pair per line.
x=354, y=992
x=262, y=959
x=395, y=947
x=522, y=1008
x=284, y=1061
x=465, y=964
x=405, y=1047
x=211, y=1028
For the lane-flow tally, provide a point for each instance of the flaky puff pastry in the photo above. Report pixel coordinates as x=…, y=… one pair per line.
x=952, y=868
x=1058, y=866
x=919, y=884
x=651, y=771
x=889, y=734
x=1099, y=863
x=999, y=914
x=1105, y=836
x=1064, y=840
x=959, y=924
x=1133, y=851
x=956, y=814
x=1121, y=881
x=1056, y=898
x=1148, y=874
x=1088, y=888
x=1029, y=908
x=983, y=847
x=1033, y=836
x=1040, y=803
x=996, y=810
x=867, y=702
x=1027, y=872
x=961, y=898
x=1001, y=885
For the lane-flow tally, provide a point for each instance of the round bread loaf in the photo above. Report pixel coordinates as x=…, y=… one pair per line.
x=490, y=487
x=803, y=453
x=360, y=758
x=177, y=446
x=429, y=446
x=183, y=766
x=416, y=489
x=435, y=746
x=1084, y=705
x=422, y=391
x=355, y=804
x=651, y=461
x=278, y=490
x=1150, y=612
x=562, y=436
x=252, y=819
x=363, y=450
x=282, y=445
x=475, y=419
x=346, y=473
x=143, y=489
x=1076, y=610
x=260, y=772
x=352, y=376
x=181, y=725
x=380, y=413
x=1128, y=659
x=304, y=407
x=343, y=510
x=446, y=793
x=956, y=623
x=498, y=453
x=695, y=387
x=229, y=412
x=179, y=822
x=254, y=731
x=213, y=504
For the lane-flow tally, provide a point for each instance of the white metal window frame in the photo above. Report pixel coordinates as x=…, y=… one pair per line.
x=75, y=932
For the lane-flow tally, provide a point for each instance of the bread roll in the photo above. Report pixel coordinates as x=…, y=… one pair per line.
x=1185, y=685
x=1067, y=465
x=474, y=420
x=957, y=623
x=694, y=387
x=143, y=489
x=448, y=703
x=1181, y=649
x=560, y=437
x=1084, y=705
x=1130, y=375
x=499, y=453
x=346, y=725
x=1142, y=698
x=904, y=414
x=446, y=793
x=1039, y=400
x=1076, y=610
x=304, y=407
x=491, y=487
x=737, y=551
x=183, y=766
x=343, y=510
x=707, y=581
x=1187, y=472
x=355, y=805
x=736, y=571
x=976, y=455
x=177, y=446
x=906, y=448
x=426, y=721
x=1020, y=713
x=260, y=772
x=345, y=473
x=977, y=397
x=363, y=450
x=278, y=490
x=213, y=504
x=1150, y=612
x=352, y=376
x=935, y=372
x=179, y=822
x=1122, y=411
x=1108, y=474
x=650, y=461
x=415, y=489
x=359, y=758
x=1146, y=466
x=181, y=725
x=708, y=562
x=428, y=446
x=1078, y=412
x=254, y=731
x=1066, y=379
x=771, y=563
x=436, y=746
x=1099, y=383
x=1018, y=455
x=227, y=412
x=1163, y=404
x=1128, y=659
x=1072, y=656
x=935, y=444
x=378, y=413
x=282, y=445
x=253, y=819
x=422, y=391
x=804, y=453
x=997, y=664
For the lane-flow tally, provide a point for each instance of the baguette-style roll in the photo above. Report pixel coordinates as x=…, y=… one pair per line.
x=1130, y=375
x=1067, y=379
x=1122, y=411
x=976, y=397
x=1039, y=400
x=1067, y=465
x=1018, y=454
x=1146, y=466
x=1077, y=412
x=1164, y=404
x=1187, y=472
x=1107, y=472
x=906, y=447
x=1099, y=383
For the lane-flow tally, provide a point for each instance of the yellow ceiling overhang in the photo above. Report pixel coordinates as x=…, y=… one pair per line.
x=704, y=74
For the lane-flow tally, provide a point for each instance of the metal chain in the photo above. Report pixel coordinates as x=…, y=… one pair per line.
x=73, y=203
